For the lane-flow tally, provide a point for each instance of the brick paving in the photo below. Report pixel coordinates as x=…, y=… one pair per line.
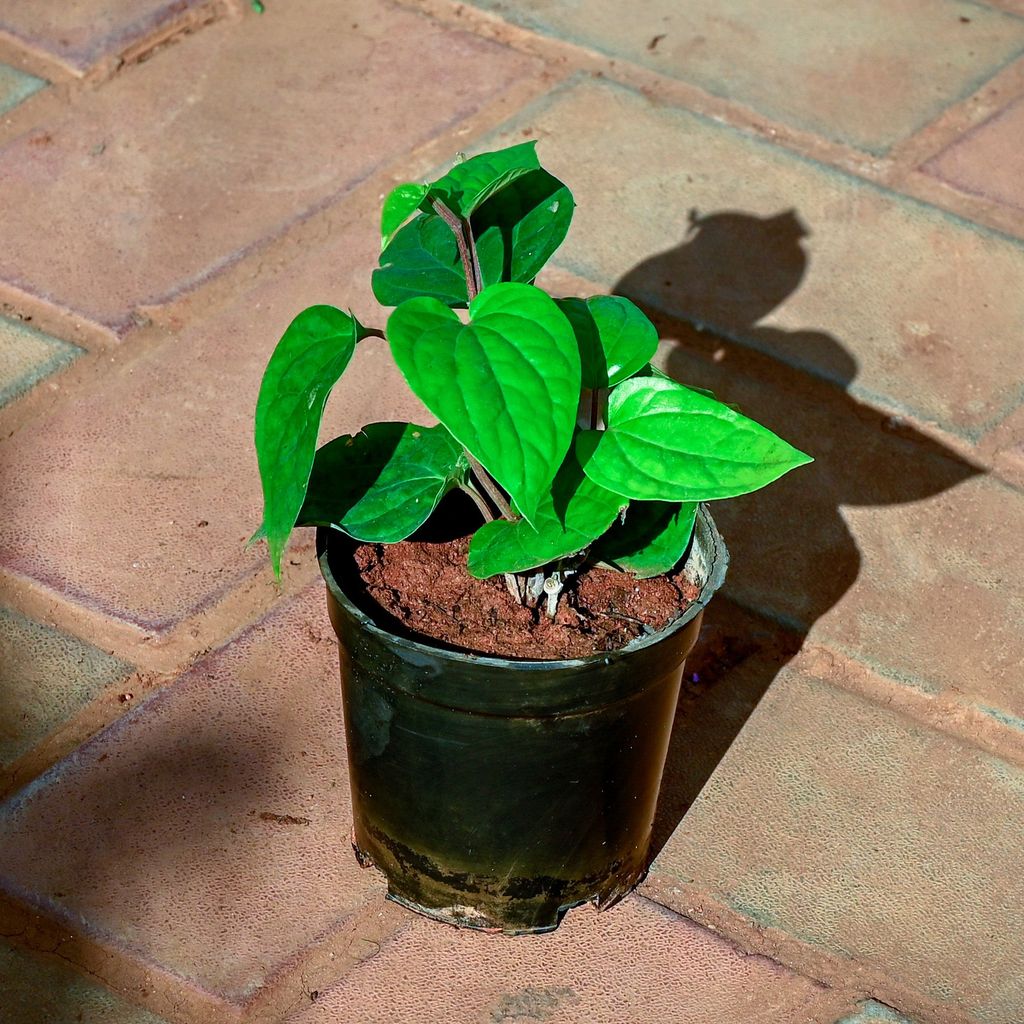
x=821, y=207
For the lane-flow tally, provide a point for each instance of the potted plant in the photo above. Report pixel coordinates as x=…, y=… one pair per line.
x=503, y=775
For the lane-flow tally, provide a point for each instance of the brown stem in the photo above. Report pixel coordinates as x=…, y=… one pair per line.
x=466, y=246
x=371, y=332
x=511, y=583
x=471, y=268
x=489, y=485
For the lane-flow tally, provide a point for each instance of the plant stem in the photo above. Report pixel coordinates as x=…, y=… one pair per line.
x=489, y=485
x=471, y=268
x=372, y=332
x=467, y=248
x=511, y=583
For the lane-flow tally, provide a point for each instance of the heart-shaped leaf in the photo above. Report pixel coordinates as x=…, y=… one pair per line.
x=519, y=228
x=469, y=184
x=305, y=365
x=651, y=539
x=568, y=518
x=381, y=484
x=422, y=259
x=666, y=442
x=400, y=204
x=616, y=340
x=506, y=384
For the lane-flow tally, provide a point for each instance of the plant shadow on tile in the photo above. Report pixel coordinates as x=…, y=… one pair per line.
x=793, y=555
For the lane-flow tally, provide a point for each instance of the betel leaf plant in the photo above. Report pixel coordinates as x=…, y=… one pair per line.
x=552, y=418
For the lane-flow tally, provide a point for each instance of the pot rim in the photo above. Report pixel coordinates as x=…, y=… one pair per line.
x=705, y=538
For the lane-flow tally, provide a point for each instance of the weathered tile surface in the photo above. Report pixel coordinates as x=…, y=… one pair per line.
x=988, y=161
x=866, y=836
x=16, y=86
x=78, y=34
x=856, y=284
x=183, y=163
x=36, y=989
x=150, y=480
x=634, y=962
x=889, y=546
x=26, y=356
x=868, y=74
x=45, y=677
x=206, y=831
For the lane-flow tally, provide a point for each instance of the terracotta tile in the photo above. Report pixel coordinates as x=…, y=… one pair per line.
x=889, y=546
x=206, y=832
x=868, y=75
x=633, y=962
x=130, y=470
x=987, y=161
x=78, y=35
x=16, y=86
x=45, y=677
x=894, y=299
x=38, y=989
x=27, y=356
x=867, y=837
x=185, y=162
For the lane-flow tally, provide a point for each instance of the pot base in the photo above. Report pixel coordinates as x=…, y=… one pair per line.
x=506, y=905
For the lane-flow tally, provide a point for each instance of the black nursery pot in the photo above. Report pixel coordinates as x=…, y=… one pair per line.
x=495, y=792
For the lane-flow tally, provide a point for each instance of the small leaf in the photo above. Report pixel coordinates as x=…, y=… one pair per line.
x=381, y=484
x=305, y=365
x=518, y=229
x=651, y=540
x=467, y=185
x=568, y=518
x=666, y=442
x=400, y=204
x=506, y=385
x=422, y=259
x=616, y=340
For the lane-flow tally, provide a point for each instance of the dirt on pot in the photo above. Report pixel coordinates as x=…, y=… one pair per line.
x=426, y=587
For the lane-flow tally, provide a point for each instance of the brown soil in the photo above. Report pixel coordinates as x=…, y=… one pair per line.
x=426, y=587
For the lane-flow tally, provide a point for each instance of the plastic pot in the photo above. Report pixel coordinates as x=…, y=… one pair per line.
x=495, y=792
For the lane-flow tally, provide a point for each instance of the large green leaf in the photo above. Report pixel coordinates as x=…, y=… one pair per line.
x=306, y=364
x=666, y=442
x=651, y=539
x=469, y=184
x=506, y=385
x=422, y=259
x=381, y=484
x=401, y=203
x=519, y=228
x=616, y=340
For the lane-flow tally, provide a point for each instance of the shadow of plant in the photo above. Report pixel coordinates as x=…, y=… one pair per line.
x=793, y=555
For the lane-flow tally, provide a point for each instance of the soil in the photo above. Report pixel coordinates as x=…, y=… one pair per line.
x=425, y=586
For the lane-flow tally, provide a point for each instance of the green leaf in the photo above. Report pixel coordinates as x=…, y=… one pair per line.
x=666, y=442
x=568, y=518
x=518, y=229
x=400, y=204
x=616, y=340
x=422, y=259
x=306, y=364
x=506, y=385
x=469, y=184
x=381, y=484
x=651, y=539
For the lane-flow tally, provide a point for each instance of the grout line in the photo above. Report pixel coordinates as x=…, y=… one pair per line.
x=844, y=973
x=887, y=171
